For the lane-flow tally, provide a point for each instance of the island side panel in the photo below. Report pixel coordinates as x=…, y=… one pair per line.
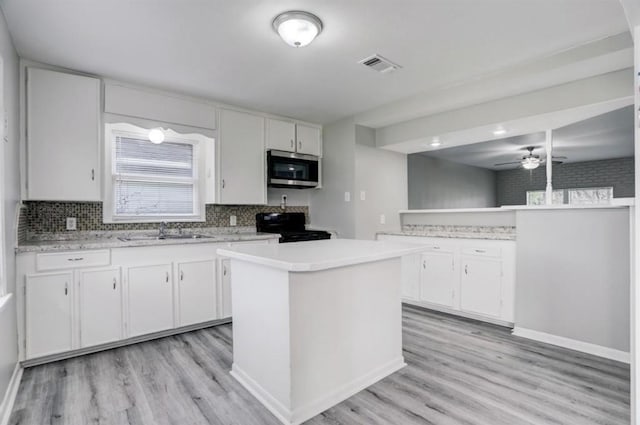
x=261, y=344
x=346, y=332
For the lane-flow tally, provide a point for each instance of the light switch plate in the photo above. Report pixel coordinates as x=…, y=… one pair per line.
x=232, y=220
x=71, y=223
x=383, y=219
x=363, y=195
x=347, y=197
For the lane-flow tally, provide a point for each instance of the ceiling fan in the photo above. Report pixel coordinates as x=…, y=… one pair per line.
x=531, y=161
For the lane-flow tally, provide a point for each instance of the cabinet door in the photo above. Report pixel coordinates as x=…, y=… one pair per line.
x=150, y=299
x=480, y=290
x=197, y=292
x=242, y=159
x=63, y=134
x=225, y=289
x=308, y=140
x=100, y=306
x=437, y=281
x=411, y=276
x=49, y=314
x=281, y=135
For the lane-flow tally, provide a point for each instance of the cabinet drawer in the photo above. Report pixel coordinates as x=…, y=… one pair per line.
x=432, y=247
x=482, y=251
x=72, y=259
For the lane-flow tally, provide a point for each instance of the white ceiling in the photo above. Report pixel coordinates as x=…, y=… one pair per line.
x=227, y=51
x=605, y=136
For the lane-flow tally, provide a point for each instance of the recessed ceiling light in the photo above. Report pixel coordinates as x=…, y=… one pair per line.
x=499, y=131
x=156, y=136
x=436, y=142
x=297, y=28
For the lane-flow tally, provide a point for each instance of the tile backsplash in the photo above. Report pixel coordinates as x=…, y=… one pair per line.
x=45, y=216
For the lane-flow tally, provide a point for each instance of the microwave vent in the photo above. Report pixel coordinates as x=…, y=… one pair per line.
x=379, y=63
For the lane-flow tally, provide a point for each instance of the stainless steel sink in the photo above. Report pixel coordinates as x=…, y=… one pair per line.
x=163, y=237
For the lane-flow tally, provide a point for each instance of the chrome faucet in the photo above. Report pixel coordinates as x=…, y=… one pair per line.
x=162, y=230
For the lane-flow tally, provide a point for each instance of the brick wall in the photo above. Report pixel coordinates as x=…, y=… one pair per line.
x=512, y=185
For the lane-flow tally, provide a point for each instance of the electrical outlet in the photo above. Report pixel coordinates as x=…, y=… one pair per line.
x=71, y=223
x=383, y=219
x=363, y=195
x=347, y=197
x=232, y=220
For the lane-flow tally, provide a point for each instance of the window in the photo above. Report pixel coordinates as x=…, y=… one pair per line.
x=590, y=196
x=539, y=197
x=153, y=182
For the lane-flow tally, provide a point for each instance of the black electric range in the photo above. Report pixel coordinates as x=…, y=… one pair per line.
x=290, y=226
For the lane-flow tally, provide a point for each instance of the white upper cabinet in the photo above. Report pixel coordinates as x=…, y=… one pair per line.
x=242, y=178
x=308, y=140
x=63, y=136
x=290, y=137
x=281, y=135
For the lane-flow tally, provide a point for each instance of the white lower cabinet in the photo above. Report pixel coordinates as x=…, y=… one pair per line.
x=481, y=285
x=437, y=278
x=471, y=277
x=196, y=292
x=100, y=306
x=110, y=295
x=49, y=314
x=150, y=299
x=225, y=288
x=411, y=276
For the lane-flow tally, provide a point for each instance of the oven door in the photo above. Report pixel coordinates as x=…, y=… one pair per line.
x=288, y=169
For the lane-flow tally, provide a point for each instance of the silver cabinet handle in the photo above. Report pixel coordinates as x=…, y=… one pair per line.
x=292, y=144
x=166, y=279
x=224, y=271
x=299, y=144
x=75, y=259
x=223, y=183
x=93, y=174
x=480, y=251
x=66, y=288
x=466, y=270
x=181, y=275
x=114, y=283
x=424, y=264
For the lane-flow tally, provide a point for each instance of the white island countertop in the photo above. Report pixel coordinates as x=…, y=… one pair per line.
x=318, y=255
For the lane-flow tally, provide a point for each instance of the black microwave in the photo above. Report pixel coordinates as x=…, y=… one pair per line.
x=292, y=170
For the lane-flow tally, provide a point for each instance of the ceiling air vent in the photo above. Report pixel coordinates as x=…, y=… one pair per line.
x=380, y=64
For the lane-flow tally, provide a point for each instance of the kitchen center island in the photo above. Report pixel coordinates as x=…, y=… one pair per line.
x=315, y=322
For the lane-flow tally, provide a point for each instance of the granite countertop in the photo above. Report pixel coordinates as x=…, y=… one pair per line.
x=500, y=233
x=69, y=241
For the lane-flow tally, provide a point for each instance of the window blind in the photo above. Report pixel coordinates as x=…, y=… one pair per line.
x=154, y=179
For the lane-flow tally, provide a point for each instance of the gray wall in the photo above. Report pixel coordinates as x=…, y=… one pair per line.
x=435, y=183
x=512, y=185
x=573, y=275
x=11, y=194
x=327, y=207
x=382, y=175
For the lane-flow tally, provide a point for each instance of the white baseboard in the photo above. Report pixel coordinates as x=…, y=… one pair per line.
x=573, y=344
x=449, y=310
x=305, y=412
x=10, y=396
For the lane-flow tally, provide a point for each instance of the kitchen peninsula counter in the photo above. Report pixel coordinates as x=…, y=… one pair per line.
x=315, y=322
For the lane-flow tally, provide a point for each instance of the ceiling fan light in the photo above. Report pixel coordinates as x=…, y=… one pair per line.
x=297, y=28
x=530, y=163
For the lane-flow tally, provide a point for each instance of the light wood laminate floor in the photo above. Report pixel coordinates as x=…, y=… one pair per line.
x=459, y=372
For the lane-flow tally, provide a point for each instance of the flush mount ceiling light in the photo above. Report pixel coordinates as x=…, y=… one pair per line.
x=297, y=28
x=156, y=135
x=530, y=163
